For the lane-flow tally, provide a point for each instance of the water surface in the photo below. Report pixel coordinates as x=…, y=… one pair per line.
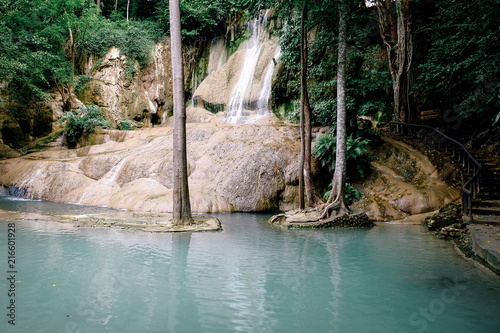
x=249, y=278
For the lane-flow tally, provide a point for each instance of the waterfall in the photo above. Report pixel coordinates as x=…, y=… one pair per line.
x=216, y=59
x=240, y=82
x=218, y=55
x=265, y=91
x=235, y=110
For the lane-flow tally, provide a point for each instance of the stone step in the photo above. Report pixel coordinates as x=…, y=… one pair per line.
x=488, y=188
x=490, y=172
x=486, y=203
x=489, y=180
x=487, y=177
x=489, y=211
x=487, y=163
x=481, y=219
x=484, y=196
x=489, y=192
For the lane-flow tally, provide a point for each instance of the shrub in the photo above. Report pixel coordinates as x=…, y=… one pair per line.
x=82, y=121
x=357, y=154
x=351, y=194
x=126, y=125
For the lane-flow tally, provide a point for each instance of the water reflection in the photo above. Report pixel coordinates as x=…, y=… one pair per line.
x=250, y=277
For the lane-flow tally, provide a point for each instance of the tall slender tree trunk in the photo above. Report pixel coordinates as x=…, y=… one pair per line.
x=336, y=201
x=403, y=57
x=301, y=112
x=181, y=203
x=116, y=5
x=305, y=113
x=395, y=32
x=128, y=6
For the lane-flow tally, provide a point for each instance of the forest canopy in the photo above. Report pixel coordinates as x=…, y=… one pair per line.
x=453, y=62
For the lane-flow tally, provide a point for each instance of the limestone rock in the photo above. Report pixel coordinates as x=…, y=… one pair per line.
x=148, y=92
x=231, y=168
x=404, y=183
x=216, y=89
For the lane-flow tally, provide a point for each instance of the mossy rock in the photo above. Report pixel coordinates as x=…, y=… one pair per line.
x=451, y=214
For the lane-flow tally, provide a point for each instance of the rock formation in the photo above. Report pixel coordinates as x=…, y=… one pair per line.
x=404, y=183
x=147, y=93
x=231, y=168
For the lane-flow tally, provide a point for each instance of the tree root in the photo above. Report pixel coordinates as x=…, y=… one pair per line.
x=337, y=205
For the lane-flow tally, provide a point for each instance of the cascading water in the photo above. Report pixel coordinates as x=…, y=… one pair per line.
x=217, y=58
x=265, y=92
x=218, y=55
x=240, y=83
x=235, y=107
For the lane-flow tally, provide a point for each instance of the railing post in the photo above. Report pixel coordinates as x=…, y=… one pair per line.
x=470, y=206
x=464, y=204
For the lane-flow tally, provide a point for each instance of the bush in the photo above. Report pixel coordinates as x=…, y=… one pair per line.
x=135, y=39
x=126, y=125
x=357, y=154
x=82, y=121
x=351, y=194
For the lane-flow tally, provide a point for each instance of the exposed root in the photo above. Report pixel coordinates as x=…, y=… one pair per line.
x=337, y=205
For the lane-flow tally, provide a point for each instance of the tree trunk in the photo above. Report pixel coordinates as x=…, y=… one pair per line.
x=181, y=203
x=128, y=5
x=301, y=112
x=116, y=5
x=395, y=33
x=403, y=57
x=305, y=112
x=98, y=6
x=336, y=201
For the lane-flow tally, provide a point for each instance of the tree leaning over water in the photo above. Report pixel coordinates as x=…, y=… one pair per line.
x=181, y=204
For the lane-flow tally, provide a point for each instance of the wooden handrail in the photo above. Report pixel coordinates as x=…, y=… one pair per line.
x=471, y=187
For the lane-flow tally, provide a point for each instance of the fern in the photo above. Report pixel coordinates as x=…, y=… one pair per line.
x=357, y=154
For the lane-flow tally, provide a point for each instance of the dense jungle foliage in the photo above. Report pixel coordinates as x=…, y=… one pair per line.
x=453, y=64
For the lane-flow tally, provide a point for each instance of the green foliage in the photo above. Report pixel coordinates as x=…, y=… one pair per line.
x=357, y=155
x=33, y=41
x=36, y=52
x=462, y=67
x=241, y=36
x=367, y=76
x=135, y=40
x=200, y=18
x=82, y=83
x=82, y=121
x=126, y=125
x=351, y=193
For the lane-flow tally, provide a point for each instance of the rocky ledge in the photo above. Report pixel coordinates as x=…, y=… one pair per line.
x=310, y=219
x=149, y=222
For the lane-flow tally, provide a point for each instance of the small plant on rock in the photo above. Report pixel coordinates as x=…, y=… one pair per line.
x=82, y=121
x=126, y=125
